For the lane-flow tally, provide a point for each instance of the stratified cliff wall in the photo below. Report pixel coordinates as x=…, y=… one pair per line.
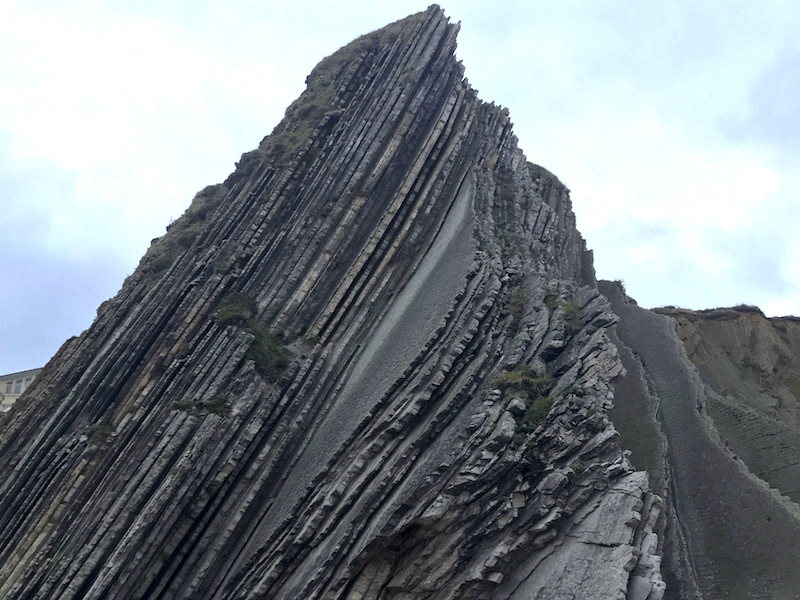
x=752, y=365
x=706, y=407
x=372, y=364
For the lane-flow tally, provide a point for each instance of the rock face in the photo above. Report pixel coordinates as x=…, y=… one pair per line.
x=718, y=432
x=752, y=365
x=374, y=364
x=371, y=364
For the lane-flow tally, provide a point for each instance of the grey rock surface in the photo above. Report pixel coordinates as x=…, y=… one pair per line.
x=728, y=534
x=371, y=364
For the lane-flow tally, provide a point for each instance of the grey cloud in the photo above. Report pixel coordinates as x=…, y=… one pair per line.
x=45, y=300
x=774, y=101
x=45, y=296
x=757, y=260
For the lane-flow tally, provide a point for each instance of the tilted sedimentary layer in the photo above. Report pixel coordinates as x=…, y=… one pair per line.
x=372, y=364
x=752, y=365
x=718, y=433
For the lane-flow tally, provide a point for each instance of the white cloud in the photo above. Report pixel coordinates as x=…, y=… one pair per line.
x=129, y=108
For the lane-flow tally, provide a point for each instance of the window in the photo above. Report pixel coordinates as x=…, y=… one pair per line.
x=27, y=383
x=8, y=386
x=18, y=387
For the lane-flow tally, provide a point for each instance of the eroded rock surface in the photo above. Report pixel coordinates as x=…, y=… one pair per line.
x=729, y=535
x=752, y=365
x=372, y=364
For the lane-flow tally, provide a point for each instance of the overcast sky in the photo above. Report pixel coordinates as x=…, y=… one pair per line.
x=674, y=124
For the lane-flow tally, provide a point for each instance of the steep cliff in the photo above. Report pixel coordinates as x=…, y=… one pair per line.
x=708, y=407
x=371, y=364
x=752, y=365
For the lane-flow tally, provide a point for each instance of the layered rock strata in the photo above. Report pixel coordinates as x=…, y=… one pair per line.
x=372, y=364
x=729, y=534
x=752, y=365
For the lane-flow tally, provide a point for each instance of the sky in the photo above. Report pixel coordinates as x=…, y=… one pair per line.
x=675, y=125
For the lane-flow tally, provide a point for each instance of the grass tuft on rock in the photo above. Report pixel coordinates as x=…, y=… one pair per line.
x=267, y=349
x=523, y=379
x=215, y=406
x=536, y=412
x=516, y=307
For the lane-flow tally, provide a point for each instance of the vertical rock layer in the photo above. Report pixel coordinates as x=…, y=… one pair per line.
x=371, y=364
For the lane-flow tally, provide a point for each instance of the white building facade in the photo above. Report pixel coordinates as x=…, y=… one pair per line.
x=12, y=386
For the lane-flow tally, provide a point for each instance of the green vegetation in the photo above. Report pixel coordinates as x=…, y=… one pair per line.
x=185, y=404
x=267, y=350
x=306, y=113
x=523, y=379
x=536, y=411
x=99, y=431
x=236, y=309
x=533, y=387
x=214, y=406
x=620, y=285
x=539, y=172
x=519, y=438
x=181, y=234
x=579, y=467
x=572, y=314
x=516, y=307
x=551, y=299
x=507, y=238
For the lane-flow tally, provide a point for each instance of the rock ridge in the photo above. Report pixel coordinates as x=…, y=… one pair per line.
x=371, y=364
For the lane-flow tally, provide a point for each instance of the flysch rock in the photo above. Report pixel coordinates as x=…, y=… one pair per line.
x=728, y=534
x=372, y=364
x=595, y=556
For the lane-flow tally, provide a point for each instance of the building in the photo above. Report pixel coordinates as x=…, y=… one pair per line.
x=12, y=386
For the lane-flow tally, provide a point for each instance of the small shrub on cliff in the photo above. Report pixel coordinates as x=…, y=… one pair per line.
x=523, y=379
x=551, y=299
x=99, y=432
x=579, y=467
x=534, y=387
x=186, y=404
x=267, y=350
x=236, y=309
x=214, y=406
x=536, y=412
x=572, y=314
x=516, y=307
x=538, y=171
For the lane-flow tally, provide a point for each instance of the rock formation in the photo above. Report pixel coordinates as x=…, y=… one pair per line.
x=373, y=364
x=709, y=408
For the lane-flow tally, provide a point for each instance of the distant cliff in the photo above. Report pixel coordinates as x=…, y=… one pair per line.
x=709, y=407
x=372, y=364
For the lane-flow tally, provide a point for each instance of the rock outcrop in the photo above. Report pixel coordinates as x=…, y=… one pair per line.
x=752, y=365
x=374, y=364
x=717, y=431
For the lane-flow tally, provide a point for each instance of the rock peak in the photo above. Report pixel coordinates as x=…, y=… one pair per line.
x=374, y=363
